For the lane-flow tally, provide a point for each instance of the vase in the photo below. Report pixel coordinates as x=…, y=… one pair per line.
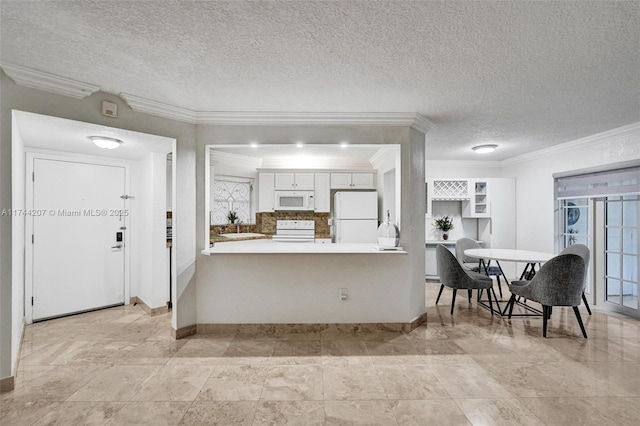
x=445, y=236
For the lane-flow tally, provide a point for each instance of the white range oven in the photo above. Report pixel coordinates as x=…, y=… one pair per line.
x=295, y=231
x=294, y=201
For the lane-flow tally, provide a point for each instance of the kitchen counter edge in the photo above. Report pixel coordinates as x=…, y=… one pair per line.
x=297, y=248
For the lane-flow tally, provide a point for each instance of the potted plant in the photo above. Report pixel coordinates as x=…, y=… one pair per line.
x=232, y=216
x=444, y=224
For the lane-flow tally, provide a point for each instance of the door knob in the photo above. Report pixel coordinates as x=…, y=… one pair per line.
x=119, y=246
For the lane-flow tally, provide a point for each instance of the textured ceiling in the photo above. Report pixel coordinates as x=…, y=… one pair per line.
x=525, y=75
x=52, y=133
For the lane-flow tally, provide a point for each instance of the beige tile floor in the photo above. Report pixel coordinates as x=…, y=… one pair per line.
x=120, y=367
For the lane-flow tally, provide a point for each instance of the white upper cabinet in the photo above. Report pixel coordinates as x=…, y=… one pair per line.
x=294, y=181
x=478, y=204
x=356, y=180
x=322, y=193
x=266, y=195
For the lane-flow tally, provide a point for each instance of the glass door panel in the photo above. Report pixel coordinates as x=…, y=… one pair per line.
x=622, y=260
x=575, y=225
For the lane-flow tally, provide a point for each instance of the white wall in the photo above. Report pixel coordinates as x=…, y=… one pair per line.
x=535, y=185
x=387, y=160
x=151, y=268
x=18, y=245
x=463, y=169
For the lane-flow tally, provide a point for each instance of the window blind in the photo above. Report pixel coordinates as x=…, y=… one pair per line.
x=599, y=184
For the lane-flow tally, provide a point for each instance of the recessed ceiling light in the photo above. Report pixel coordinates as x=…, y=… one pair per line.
x=105, y=142
x=484, y=149
x=253, y=144
x=344, y=145
x=299, y=144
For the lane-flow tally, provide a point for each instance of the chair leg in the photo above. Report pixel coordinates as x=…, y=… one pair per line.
x=499, y=285
x=577, y=312
x=550, y=311
x=490, y=303
x=439, y=293
x=512, y=301
x=453, y=301
x=469, y=294
x=545, y=316
x=586, y=304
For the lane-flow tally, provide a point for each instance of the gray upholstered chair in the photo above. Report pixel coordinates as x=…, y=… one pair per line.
x=470, y=263
x=454, y=276
x=473, y=264
x=559, y=282
x=582, y=251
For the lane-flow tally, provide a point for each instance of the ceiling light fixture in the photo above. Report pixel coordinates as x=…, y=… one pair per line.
x=299, y=144
x=344, y=145
x=253, y=144
x=105, y=142
x=484, y=149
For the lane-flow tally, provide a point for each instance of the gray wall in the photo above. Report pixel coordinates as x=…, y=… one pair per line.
x=21, y=98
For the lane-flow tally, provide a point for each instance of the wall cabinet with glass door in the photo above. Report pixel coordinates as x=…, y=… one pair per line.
x=478, y=205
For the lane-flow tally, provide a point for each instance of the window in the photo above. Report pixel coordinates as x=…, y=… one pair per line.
x=231, y=194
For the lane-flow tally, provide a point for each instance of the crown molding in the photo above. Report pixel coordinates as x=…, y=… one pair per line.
x=377, y=158
x=238, y=118
x=237, y=159
x=159, y=109
x=608, y=136
x=48, y=82
x=79, y=90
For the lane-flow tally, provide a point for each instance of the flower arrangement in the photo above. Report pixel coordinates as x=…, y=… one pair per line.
x=232, y=216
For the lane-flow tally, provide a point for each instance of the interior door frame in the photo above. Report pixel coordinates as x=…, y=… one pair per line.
x=30, y=156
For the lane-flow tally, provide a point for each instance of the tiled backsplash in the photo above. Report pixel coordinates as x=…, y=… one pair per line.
x=266, y=223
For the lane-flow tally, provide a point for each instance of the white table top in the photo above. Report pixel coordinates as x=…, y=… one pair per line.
x=510, y=255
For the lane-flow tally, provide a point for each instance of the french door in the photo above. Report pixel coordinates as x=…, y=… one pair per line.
x=622, y=254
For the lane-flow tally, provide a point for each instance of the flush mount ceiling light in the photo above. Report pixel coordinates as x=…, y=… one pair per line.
x=484, y=149
x=344, y=145
x=253, y=144
x=299, y=144
x=105, y=142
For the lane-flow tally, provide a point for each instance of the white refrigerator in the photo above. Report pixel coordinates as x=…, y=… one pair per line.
x=355, y=217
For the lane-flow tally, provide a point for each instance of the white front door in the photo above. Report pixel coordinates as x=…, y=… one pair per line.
x=78, y=264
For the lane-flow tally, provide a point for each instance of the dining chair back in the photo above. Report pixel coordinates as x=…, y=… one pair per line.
x=582, y=251
x=559, y=282
x=454, y=276
x=463, y=244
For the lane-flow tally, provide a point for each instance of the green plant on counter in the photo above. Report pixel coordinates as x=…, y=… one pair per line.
x=444, y=224
x=232, y=216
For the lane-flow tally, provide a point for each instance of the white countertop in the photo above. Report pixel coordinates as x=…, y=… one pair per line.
x=293, y=248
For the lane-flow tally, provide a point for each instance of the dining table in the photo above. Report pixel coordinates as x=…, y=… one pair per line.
x=531, y=259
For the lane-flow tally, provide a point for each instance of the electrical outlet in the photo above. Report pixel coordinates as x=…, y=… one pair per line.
x=344, y=294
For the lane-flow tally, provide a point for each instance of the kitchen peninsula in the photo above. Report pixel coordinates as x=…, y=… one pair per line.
x=264, y=285
x=304, y=286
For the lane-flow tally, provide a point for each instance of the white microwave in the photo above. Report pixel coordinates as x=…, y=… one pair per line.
x=294, y=201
